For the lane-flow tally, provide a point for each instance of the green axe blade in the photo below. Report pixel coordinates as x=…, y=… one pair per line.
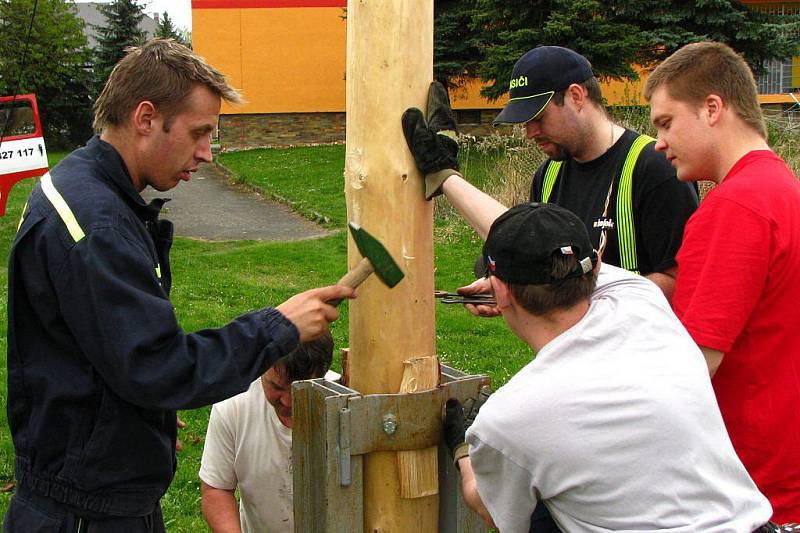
x=369, y=247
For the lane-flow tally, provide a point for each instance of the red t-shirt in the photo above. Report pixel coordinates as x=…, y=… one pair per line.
x=738, y=291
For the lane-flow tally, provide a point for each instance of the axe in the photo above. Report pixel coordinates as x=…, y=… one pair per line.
x=375, y=258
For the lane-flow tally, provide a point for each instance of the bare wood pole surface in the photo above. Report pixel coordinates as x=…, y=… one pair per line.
x=389, y=68
x=419, y=469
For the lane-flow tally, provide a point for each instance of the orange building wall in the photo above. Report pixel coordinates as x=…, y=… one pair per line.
x=283, y=59
x=615, y=92
x=288, y=56
x=469, y=97
x=624, y=92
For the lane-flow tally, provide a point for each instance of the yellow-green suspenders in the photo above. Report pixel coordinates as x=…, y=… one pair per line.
x=550, y=175
x=625, y=230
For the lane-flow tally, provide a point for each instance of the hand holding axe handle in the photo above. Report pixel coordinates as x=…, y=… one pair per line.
x=376, y=259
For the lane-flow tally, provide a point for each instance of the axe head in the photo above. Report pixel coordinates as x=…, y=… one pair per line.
x=368, y=246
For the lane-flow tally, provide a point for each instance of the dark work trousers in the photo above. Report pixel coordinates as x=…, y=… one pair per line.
x=29, y=512
x=541, y=521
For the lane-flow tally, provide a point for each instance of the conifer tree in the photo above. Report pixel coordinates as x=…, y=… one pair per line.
x=121, y=30
x=484, y=38
x=167, y=30
x=457, y=48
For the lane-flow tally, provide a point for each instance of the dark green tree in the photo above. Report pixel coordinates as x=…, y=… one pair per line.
x=457, y=49
x=757, y=35
x=167, y=30
x=514, y=26
x=612, y=34
x=53, y=64
x=120, y=31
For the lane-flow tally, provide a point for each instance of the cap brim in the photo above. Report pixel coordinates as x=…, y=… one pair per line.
x=523, y=109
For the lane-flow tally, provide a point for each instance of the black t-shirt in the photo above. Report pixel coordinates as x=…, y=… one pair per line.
x=661, y=203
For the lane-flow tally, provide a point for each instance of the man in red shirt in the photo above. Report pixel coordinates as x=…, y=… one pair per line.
x=738, y=285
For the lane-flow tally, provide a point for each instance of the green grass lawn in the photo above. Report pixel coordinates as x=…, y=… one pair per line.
x=309, y=179
x=214, y=282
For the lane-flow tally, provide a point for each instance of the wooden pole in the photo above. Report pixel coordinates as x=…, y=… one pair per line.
x=419, y=469
x=389, y=68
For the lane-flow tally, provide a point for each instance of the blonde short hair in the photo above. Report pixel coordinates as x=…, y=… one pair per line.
x=700, y=69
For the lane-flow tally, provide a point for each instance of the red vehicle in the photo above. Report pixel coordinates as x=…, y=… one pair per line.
x=22, y=151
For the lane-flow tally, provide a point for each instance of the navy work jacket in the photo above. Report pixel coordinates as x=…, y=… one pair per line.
x=97, y=363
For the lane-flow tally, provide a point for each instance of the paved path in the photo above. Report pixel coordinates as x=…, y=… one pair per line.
x=208, y=207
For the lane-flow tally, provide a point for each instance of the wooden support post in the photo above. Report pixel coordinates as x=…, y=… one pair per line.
x=389, y=68
x=419, y=469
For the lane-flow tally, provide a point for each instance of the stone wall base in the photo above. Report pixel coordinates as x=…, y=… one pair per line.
x=239, y=132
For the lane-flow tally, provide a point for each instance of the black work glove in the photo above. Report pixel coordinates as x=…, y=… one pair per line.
x=436, y=154
x=454, y=430
x=457, y=420
x=440, y=116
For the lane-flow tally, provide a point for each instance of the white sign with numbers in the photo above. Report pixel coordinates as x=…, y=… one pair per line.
x=22, y=155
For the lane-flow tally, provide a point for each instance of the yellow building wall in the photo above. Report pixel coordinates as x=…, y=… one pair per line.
x=282, y=70
x=469, y=97
x=624, y=92
x=615, y=92
x=284, y=60
x=292, y=59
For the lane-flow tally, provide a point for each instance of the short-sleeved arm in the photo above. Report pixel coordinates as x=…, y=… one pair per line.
x=723, y=268
x=505, y=488
x=662, y=206
x=219, y=452
x=126, y=326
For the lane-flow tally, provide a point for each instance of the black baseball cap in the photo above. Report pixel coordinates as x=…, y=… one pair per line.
x=538, y=75
x=522, y=241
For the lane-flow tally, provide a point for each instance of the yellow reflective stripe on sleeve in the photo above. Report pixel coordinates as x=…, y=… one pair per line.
x=550, y=175
x=22, y=216
x=158, y=270
x=626, y=233
x=62, y=208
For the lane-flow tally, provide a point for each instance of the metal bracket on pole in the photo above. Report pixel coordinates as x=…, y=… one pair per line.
x=334, y=426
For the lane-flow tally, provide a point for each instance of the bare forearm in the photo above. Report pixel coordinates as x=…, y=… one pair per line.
x=220, y=509
x=713, y=359
x=665, y=281
x=478, y=208
x=469, y=488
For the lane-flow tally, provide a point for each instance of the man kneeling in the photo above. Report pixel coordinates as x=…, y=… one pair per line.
x=613, y=426
x=249, y=446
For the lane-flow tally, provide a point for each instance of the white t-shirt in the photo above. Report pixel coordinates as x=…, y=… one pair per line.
x=248, y=447
x=615, y=427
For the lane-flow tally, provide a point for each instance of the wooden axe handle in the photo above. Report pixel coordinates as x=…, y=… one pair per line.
x=355, y=277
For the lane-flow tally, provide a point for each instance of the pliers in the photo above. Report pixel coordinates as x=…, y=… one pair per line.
x=455, y=298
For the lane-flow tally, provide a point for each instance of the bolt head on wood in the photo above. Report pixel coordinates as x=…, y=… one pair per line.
x=389, y=424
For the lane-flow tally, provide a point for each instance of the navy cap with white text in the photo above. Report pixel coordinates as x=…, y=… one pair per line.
x=538, y=75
